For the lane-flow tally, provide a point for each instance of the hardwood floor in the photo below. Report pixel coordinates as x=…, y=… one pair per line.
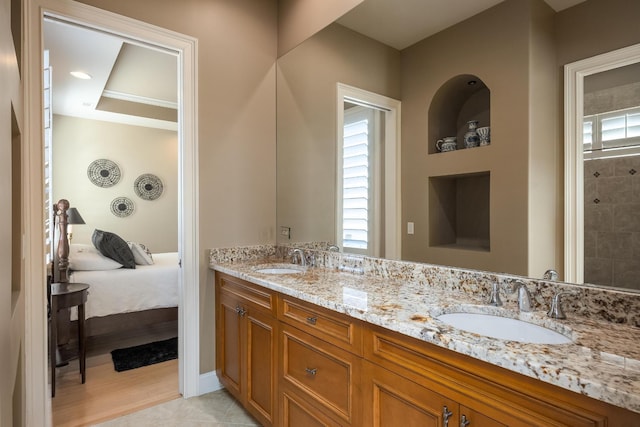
x=108, y=394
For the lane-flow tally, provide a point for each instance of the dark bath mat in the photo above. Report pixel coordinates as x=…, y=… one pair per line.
x=145, y=354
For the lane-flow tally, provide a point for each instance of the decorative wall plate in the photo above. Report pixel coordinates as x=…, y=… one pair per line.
x=148, y=186
x=122, y=207
x=103, y=173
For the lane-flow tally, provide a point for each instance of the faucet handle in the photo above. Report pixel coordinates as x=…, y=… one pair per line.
x=524, y=297
x=311, y=259
x=556, y=312
x=494, y=298
x=550, y=275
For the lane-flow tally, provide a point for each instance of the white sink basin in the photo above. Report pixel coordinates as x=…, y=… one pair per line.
x=503, y=328
x=280, y=269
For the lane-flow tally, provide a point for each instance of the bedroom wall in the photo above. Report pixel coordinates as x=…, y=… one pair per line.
x=237, y=43
x=137, y=150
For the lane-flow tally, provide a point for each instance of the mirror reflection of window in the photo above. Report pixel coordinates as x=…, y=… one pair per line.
x=361, y=150
x=611, y=123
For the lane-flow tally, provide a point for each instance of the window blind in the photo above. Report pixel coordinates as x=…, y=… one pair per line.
x=355, y=185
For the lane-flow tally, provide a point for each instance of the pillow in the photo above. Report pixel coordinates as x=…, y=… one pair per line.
x=87, y=258
x=141, y=254
x=113, y=246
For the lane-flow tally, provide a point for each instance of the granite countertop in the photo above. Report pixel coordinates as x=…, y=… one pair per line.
x=602, y=362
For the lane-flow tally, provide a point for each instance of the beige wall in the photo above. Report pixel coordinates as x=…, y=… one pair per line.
x=595, y=27
x=499, y=55
x=12, y=286
x=300, y=19
x=306, y=104
x=136, y=150
x=546, y=168
x=237, y=43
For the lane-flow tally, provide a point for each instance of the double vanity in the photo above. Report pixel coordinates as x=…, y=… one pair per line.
x=361, y=341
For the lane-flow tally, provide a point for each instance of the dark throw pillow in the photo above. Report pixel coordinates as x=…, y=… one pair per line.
x=113, y=246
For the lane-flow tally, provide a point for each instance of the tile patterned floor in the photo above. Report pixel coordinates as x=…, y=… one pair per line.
x=216, y=409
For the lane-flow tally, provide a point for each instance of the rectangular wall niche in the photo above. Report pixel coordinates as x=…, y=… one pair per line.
x=459, y=211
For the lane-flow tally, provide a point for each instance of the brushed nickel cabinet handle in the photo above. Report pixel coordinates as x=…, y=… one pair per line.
x=446, y=414
x=311, y=371
x=241, y=311
x=464, y=422
x=312, y=320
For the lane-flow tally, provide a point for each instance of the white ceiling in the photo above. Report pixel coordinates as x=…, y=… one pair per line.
x=142, y=80
x=137, y=85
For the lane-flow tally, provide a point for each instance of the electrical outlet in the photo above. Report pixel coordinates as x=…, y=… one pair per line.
x=286, y=232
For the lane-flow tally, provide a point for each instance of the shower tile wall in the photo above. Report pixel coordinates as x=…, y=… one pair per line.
x=612, y=222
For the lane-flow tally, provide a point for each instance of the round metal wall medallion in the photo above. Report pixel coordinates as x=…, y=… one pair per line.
x=148, y=186
x=103, y=173
x=122, y=207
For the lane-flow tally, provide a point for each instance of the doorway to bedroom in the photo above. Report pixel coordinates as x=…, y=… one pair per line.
x=114, y=151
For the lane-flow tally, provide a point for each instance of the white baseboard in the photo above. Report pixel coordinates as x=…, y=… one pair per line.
x=209, y=382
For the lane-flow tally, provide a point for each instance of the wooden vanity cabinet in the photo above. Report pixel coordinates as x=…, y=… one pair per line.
x=246, y=330
x=320, y=367
x=474, y=391
x=292, y=363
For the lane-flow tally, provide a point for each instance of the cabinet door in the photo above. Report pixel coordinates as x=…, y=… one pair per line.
x=261, y=365
x=392, y=400
x=230, y=359
x=297, y=413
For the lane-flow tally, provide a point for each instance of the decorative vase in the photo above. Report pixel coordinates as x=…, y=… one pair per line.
x=471, y=138
x=485, y=135
x=448, y=143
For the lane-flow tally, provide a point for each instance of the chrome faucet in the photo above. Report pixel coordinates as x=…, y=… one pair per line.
x=524, y=297
x=333, y=248
x=494, y=298
x=300, y=252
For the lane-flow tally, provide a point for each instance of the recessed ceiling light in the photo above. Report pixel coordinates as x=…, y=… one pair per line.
x=80, y=75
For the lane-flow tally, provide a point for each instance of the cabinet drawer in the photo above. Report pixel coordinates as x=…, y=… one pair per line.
x=325, y=374
x=254, y=295
x=336, y=328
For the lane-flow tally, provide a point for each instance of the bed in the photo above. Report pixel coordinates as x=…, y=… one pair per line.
x=129, y=286
x=123, y=297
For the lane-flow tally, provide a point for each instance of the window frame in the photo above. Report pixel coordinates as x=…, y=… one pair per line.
x=598, y=148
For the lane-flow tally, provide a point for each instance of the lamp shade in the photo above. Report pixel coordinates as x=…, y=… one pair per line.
x=74, y=217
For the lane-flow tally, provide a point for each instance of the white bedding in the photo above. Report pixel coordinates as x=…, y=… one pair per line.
x=128, y=290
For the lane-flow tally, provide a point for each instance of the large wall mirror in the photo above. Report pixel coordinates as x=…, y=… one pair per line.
x=526, y=175
x=602, y=120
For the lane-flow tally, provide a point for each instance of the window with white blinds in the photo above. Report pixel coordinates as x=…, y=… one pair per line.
x=611, y=134
x=356, y=186
x=48, y=157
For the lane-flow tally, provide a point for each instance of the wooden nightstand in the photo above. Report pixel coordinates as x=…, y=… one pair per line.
x=67, y=295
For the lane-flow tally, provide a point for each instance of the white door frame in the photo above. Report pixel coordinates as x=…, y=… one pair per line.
x=38, y=402
x=574, y=74
x=391, y=185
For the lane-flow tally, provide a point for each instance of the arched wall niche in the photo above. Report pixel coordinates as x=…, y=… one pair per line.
x=460, y=99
